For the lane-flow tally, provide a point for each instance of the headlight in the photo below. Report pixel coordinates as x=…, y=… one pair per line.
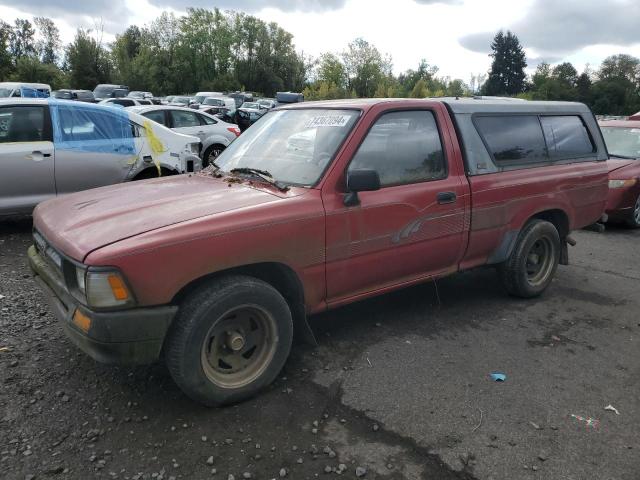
x=107, y=289
x=622, y=183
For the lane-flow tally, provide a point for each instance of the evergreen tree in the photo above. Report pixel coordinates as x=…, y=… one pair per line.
x=49, y=43
x=21, y=43
x=6, y=63
x=506, y=76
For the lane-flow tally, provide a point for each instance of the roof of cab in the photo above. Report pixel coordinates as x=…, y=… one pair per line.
x=457, y=105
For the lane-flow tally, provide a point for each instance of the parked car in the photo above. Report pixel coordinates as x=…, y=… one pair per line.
x=77, y=95
x=180, y=101
x=241, y=97
x=623, y=142
x=53, y=147
x=167, y=100
x=201, y=96
x=248, y=114
x=218, y=281
x=26, y=90
x=220, y=102
x=138, y=95
x=267, y=103
x=284, y=98
x=107, y=90
x=215, y=135
x=123, y=102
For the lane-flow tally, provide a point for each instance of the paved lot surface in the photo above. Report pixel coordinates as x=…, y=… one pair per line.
x=399, y=386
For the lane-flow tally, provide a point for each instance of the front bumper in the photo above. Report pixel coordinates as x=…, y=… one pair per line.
x=621, y=201
x=133, y=336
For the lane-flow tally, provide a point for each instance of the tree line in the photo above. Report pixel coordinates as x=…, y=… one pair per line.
x=223, y=51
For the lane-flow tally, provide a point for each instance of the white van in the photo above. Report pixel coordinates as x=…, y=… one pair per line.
x=26, y=90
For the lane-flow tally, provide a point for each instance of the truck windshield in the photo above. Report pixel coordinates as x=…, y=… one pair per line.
x=622, y=142
x=294, y=146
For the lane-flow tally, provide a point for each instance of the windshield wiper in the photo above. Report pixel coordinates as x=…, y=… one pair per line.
x=622, y=156
x=263, y=174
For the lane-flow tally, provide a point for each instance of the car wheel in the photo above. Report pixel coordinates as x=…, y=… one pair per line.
x=634, y=217
x=211, y=153
x=230, y=339
x=531, y=266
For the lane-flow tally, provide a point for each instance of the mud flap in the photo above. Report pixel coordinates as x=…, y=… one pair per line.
x=302, y=332
x=564, y=254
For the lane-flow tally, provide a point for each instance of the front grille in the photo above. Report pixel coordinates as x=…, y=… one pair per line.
x=50, y=255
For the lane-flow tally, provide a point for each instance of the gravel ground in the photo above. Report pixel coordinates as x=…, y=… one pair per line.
x=397, y=389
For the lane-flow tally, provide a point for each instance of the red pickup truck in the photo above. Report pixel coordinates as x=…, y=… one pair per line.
x=317, y=205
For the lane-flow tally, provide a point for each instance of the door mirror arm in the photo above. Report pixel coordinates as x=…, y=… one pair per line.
x=364, y=180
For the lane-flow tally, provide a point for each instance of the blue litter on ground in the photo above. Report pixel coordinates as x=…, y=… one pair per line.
x=498, y=376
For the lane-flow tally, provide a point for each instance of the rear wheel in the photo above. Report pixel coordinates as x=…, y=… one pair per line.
x=531, y=266
x=634, y=217
x=230, y=340
x=211, y=153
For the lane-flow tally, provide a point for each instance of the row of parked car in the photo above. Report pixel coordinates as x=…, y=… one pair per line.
x=239, y=108
x=314, y=207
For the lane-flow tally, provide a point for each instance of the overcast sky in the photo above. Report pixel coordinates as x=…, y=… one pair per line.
x=452, y=34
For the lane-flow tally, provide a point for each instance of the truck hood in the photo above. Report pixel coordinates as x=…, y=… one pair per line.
x=614, y=164
x=79, y=223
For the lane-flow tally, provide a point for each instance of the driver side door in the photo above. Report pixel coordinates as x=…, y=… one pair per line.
x=413, y=226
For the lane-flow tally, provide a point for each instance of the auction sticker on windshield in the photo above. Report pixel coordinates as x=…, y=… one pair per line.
x=328, y=121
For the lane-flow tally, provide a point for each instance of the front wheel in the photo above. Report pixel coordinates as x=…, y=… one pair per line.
x=211, y=153
x=634, y=217
x=230, y=339
x=531, y=266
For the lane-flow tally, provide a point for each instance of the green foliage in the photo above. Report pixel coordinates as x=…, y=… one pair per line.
x=214, y=50
x=506, y=76
x=49, y=43
x=365, y=67
x=31, y=69
x=22, y=40
x=6, y=61
x=420, y=89
x=87, y=61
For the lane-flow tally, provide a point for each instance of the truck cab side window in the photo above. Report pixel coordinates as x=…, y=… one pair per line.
x=403, y=147
x=514, y=140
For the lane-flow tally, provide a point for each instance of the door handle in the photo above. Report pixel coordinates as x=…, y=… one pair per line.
x=446, y=197
x=37, y=156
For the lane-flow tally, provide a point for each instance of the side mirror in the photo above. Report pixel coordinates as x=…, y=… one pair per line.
x=360, y=181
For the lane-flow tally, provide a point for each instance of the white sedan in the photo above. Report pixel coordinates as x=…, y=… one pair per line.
x=215, y=134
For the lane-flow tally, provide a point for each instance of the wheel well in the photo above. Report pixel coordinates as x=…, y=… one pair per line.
x=558, y=218
x=279, y=276
x=152, y=172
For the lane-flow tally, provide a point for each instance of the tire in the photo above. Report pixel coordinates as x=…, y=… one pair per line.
x=211, y=153
x=533, y=262
x=634, y=217
x=209, y=348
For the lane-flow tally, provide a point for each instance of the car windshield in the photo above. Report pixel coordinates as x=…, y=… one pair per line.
x=623, y=142
x=103, y=91
x=294, y=146
x=184, y=100
x=250, y=105
x=5, y=92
